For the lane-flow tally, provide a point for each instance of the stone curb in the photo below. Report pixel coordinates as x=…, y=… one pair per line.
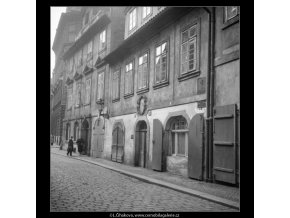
x=195, y=193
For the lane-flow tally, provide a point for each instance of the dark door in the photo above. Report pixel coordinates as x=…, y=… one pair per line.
x=158, y=157
x=224, y=144
x=195, y=147
x=140, y=144
x=98, y=140
x=118, y=145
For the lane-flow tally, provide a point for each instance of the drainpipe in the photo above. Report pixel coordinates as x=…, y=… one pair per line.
x=210, y=95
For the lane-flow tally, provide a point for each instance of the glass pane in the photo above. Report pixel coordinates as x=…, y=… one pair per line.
x=192, y=31
x=231, y=11
x=173, y=143
x=184, y=36
x=145, y=58
x=140, y=60
x=158, y=50
x=164, y=47
x=181, y=143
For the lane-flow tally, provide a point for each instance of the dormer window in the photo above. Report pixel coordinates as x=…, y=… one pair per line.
x=102, y=40
x=132, y=19
x=146, y=12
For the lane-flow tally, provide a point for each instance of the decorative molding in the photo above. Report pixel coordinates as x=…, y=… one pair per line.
x=141, y=105
x=189, y=75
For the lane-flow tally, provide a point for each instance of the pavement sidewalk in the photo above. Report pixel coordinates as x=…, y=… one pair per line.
x=225, y=195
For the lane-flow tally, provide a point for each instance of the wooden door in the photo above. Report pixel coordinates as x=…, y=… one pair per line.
x=142, y=148
x=195, y=147
x=118, y=145
x=157, y=159
x=98, y=140
x=225, y=144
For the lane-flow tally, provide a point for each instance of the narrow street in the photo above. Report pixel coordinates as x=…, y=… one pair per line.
x=81, y=186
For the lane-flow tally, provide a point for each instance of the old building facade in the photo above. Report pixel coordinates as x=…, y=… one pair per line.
x=87, y=75
x=68, y=27
x=158, y=87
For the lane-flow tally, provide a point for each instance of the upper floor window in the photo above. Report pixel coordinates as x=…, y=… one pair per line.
x=143, y=71
x=69, y=98
x=129, y=80
x=189, y=50
x=90, y=50
x=88, y=91
x=102, y=40
x=161, y=63
x=231, y=12
x=78, y=95
x=100, y=89
x=86, y=19
x=146, y=12
x=116, y=85
x=71, y=33
x=132, y=19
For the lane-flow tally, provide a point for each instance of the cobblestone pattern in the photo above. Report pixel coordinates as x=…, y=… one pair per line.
x=227, y=192
x=80, y=186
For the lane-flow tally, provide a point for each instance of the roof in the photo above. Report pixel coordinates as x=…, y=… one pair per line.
x=147, y=31
x=65, y=17
x=88, y=34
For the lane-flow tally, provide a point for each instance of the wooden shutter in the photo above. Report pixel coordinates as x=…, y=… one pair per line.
x=120, y=145
x=114, y=145
x=158, y=156
x=195, y=147
x=225, y=144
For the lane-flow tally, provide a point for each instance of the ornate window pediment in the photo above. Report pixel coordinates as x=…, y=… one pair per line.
x=77, y=76
x=87, y=69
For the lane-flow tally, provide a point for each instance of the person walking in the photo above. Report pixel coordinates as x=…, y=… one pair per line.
x=70, y=146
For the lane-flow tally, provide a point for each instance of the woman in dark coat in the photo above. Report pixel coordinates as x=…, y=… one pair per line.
x=80, y=145
x=70, y=147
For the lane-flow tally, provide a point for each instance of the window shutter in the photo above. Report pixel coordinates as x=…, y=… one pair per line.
x=158, y=69
x=184, y=57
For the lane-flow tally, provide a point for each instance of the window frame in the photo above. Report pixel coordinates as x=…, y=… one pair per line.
x=147, y=15
x=166, y=81
x=131, y=93
x=116, y=98
x=101, y=49
x=98, y=100
x=176, y=133
x=194, y=72
x=133, y=27
x=88, y=94
x=78, y=99
x=229, y=22
x=146, y=88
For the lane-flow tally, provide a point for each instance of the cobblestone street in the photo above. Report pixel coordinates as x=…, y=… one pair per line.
x=80, y=186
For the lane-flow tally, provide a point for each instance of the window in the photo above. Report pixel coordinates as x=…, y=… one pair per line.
x=231, y=12
x=146, y=12
x=132, y=19
x=143, y=71
x=69, y=98
x=78, y=95
x=161, y=62
x=71, y=33
x=189, y=50
x=79, y=58
x=129, y=81
x=100, y=94
x=90, y=50
x=179, y=137
x=102, y=40
x=86, y=19
x=88, y=91
x=116, y=86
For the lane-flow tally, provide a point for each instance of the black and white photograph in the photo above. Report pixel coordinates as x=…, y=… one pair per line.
x=145, y=109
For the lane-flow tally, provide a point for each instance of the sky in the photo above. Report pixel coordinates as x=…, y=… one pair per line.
x=54, y=19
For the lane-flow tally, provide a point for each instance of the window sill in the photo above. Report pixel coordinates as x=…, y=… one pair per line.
x=129, y=95
x=115, y=100
x=189, y=75
x=70, y=109
x=231, y=22
x=77, y=106
x=141, y=91
x=160, y=85
x=86, y=104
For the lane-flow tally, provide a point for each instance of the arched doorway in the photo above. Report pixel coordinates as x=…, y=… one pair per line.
x=98, y=138
x=85, y=135
x=141, y=144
